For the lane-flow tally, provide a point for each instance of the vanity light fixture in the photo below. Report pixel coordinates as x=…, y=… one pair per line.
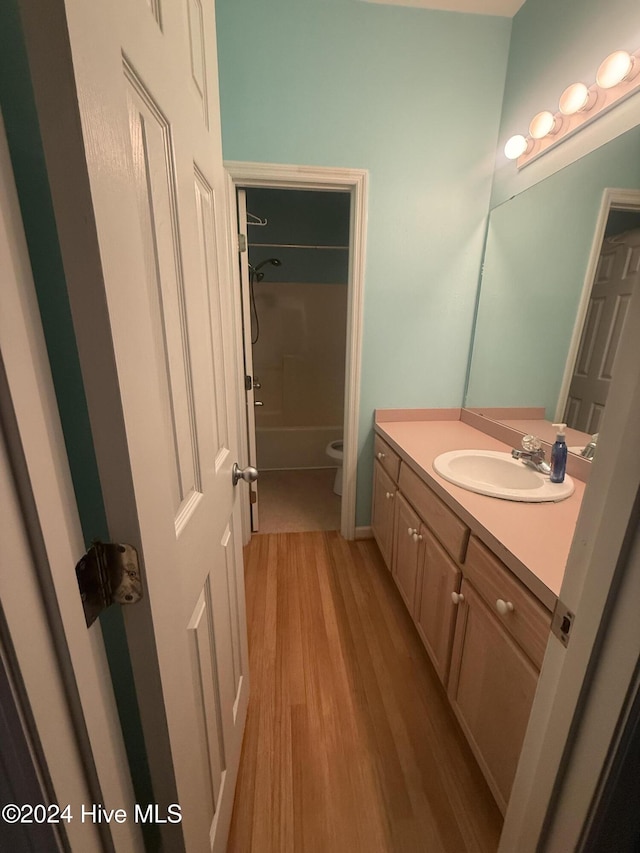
x=617, y=78
x=517, y=146
x=577, y=98
x=544, y=124
x=616, y=68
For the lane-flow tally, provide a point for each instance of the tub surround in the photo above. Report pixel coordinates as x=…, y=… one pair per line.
x=532, y=540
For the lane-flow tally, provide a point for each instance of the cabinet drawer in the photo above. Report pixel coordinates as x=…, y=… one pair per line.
x=453, y=533
x=528, y=622
x=387, y=457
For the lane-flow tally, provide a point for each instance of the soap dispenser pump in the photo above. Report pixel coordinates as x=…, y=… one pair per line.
x=559, y=455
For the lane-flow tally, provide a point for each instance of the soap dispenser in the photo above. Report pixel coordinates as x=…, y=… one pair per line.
x=559, y=455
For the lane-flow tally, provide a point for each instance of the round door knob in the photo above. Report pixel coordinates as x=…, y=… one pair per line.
x=248, y=474
x=380, y=455
x=457, y=597
x=389, y=495
x=504, y=607
x=417, y=537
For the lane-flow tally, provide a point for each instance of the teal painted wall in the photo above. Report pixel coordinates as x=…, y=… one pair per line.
x=414, y=97
x=300, y=218
x=554, y=44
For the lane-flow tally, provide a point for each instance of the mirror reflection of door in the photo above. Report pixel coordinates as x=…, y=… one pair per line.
x=616, y=276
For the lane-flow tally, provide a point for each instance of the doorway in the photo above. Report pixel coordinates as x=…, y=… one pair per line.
x=295, y=320
x=351, y=185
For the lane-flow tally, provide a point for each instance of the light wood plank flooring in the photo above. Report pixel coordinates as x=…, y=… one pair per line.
x=350, y=746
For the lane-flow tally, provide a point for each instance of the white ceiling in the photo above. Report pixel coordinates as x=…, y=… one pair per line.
x=504, y=8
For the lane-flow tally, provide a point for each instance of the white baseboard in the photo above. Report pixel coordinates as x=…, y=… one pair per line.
x=363, y=533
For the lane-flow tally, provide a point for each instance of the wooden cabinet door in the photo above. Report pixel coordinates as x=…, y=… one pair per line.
x=491, y=688
x=435, y=611
x=384, y=498
x=407, y=550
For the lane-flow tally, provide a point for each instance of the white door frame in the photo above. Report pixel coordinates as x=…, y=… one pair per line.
x=584, y=690
x=62, y=664
x=612, y=199
x=354, y=181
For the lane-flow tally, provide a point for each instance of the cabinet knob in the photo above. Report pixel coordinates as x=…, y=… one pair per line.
x=504, y=607
x=412, y=530
x=380, y=455
x=417, y=537
x=389, y=495
x=457, y=597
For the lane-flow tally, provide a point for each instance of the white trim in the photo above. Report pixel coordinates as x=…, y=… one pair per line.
x=611, y=199
x=364, y=532
x=582, y=690
x=355, y=181
x=236, y=307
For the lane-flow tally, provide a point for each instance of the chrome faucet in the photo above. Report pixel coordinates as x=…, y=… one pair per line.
x=532, y=454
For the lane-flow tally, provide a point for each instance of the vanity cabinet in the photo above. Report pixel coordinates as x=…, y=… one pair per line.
x=386, y=468
x=434, y=612
x=484, y=631
x=500, y=635
x=408, y=550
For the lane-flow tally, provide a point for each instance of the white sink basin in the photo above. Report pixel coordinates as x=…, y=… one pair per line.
x=499, y=475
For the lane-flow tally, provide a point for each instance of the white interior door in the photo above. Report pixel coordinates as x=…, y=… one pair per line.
x=139, y=196
x=616, y=276
x=247, y=337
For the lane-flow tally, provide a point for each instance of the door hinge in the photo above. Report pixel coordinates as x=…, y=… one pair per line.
x=109, y=573
x=242, y=242
x=562, y=622
x=253, y=497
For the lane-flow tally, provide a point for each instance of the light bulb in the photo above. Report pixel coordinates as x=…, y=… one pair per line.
x=515, y=147
x=543, y=124
x=575, y=98
x=618, y=66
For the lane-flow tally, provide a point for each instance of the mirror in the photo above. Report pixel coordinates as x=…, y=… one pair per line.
x=535, y=263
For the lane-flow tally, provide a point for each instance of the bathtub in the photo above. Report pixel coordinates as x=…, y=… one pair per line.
x=294, y=447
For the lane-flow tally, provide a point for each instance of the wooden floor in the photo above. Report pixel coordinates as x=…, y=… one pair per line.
x=350, y=746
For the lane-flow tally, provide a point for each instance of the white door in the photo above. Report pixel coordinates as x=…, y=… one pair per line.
x=140, y=206
x=57, y=668
x=247, y=337
x=617, y=274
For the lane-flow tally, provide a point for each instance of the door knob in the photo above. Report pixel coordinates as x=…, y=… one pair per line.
x=248, y=474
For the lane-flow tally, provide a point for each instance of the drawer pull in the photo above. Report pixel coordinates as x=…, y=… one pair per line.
x=380, y=455
x=457, y=597
x=389, y=495
x=504, y=607
x=417, y=537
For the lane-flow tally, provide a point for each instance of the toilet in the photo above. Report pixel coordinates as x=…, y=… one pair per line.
x=334, y=452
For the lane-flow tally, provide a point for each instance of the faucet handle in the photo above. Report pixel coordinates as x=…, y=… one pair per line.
x=531, y=443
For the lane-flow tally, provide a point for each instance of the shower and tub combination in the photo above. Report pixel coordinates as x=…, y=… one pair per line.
x=298, y=331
